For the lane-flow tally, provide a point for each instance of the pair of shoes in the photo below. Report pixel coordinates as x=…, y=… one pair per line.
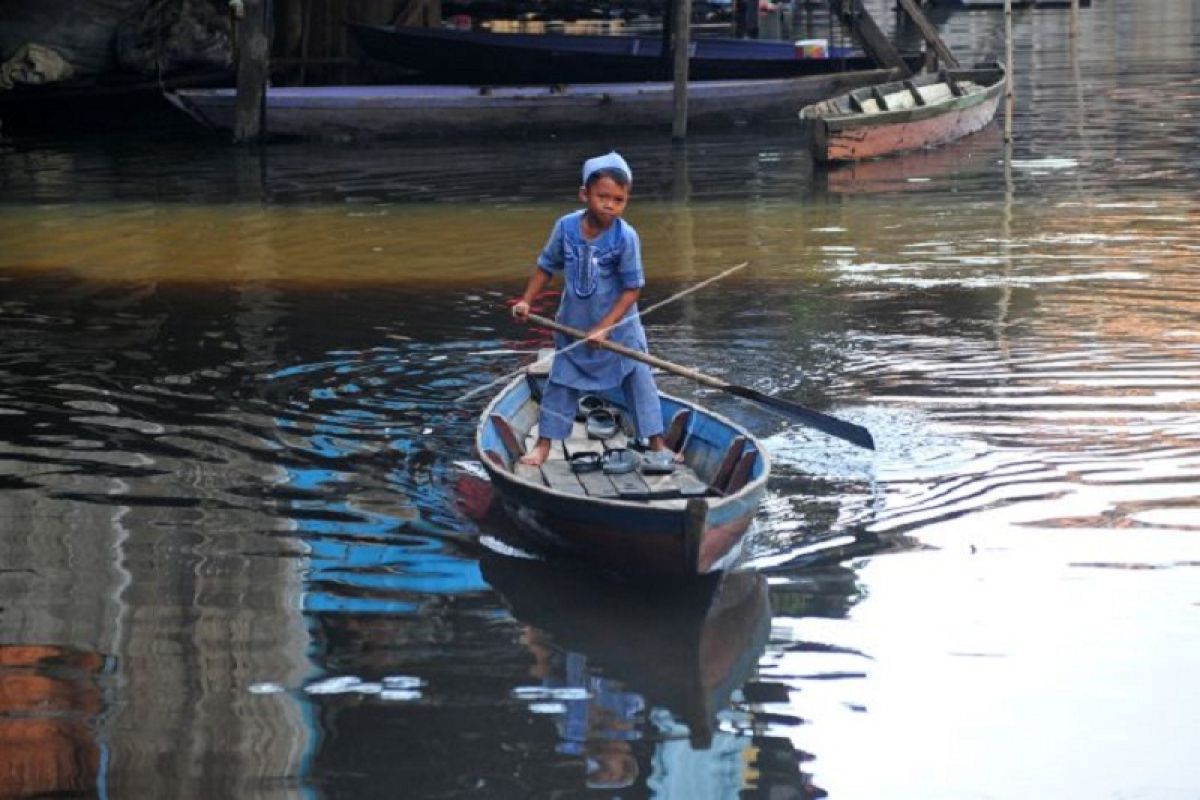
x=602, y=423
x=658, y=462
x=589, y=403
x=585, y=462
x=620, y=461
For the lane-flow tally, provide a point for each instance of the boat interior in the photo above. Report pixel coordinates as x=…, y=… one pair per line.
x=601, y=458
x=923, y=90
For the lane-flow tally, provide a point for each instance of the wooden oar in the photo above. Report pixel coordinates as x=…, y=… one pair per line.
x=855, y=434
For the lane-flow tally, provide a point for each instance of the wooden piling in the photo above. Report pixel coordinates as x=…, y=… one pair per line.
x=873, y=41
x=253, y=68
x=1010, y=78
x=682, y=48
x=928, y=32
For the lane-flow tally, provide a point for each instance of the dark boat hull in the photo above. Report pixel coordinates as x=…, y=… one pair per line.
x=681, y=537
x=451, y=56
x=422, y=111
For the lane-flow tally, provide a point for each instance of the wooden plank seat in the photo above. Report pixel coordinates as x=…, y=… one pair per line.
x=879, y=99
x=556, y=473
x=918, y=98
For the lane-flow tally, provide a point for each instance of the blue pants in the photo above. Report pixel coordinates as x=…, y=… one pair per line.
x=641, y=401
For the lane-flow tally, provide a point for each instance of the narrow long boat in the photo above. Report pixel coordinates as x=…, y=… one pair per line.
x=455, y=56
x=888, y=118
x=336, y=112
x=690, y=522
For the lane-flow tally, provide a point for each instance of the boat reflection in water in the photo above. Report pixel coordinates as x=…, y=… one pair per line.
x=50, y=700
x=640, y=681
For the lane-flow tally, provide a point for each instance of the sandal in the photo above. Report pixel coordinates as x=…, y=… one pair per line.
x=584, y=462
x=658, y=462
x=601, y=424
x=620, y=461
x=587, y=404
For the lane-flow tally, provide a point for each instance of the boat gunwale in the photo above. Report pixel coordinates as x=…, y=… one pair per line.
x=857, y=119
x=641, y=505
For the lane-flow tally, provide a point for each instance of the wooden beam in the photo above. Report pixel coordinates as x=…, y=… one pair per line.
x=683, y=46
x=1010, y=79
x=254, y=51
x=862, y=27
x=928, y=32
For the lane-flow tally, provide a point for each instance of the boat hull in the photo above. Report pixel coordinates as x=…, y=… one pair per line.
x=420, y=111
x=681, y=537
x=836, y=134
x=513, y=58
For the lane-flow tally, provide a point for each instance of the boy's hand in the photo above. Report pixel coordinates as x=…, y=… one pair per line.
x=520, y=310
x=597, y=335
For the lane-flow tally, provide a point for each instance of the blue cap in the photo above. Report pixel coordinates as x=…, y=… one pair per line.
x=611, y=161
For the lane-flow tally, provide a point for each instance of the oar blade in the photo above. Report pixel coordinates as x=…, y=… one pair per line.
x=855, y=434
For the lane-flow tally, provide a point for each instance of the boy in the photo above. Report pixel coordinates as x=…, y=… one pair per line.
x=600, y=258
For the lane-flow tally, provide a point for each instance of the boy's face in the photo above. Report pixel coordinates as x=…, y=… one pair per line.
x=605, y=200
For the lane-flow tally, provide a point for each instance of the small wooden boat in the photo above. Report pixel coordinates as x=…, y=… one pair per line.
x=688, y=522
x=686, y=648
x=889, y=118
x=443, y=110
x=996, y=5
x=454, y=56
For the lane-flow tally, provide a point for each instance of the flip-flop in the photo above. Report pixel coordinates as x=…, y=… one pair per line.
x=589, y=403
x=620, y=461
x=601, y=424
x=658, y=462
x=585, y=462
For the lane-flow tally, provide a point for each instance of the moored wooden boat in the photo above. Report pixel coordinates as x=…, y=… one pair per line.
x=444, y=110
x=454, y=56
x=690, y=522
x=894, y=117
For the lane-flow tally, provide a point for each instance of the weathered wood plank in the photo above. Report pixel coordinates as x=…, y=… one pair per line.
x=677, y=429
x=598, y=484
x=661, y=487
x=630, y=486
x=511, y=443
x=928, y=32
x=557, y=450
x=863, y=28
x=558, y=476
x=578, y=442
x=529, y=473
x=741, y=473
x=732, y=454
x=689, y=483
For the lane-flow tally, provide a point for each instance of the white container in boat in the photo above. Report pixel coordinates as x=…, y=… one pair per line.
x=812, y=48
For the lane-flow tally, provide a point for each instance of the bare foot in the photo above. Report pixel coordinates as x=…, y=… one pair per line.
x=676, y=457
x=656, y=444
x=538, y=455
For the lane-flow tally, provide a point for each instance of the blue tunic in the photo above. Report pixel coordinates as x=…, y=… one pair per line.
x=594, y=275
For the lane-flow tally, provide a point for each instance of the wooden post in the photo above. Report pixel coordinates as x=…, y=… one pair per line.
x=858, y=20
x=683, y=48
x=1011, y=72
x=928, y=32
x=254, y=50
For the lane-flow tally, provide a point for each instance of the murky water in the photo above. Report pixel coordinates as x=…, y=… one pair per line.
x=240, y=547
